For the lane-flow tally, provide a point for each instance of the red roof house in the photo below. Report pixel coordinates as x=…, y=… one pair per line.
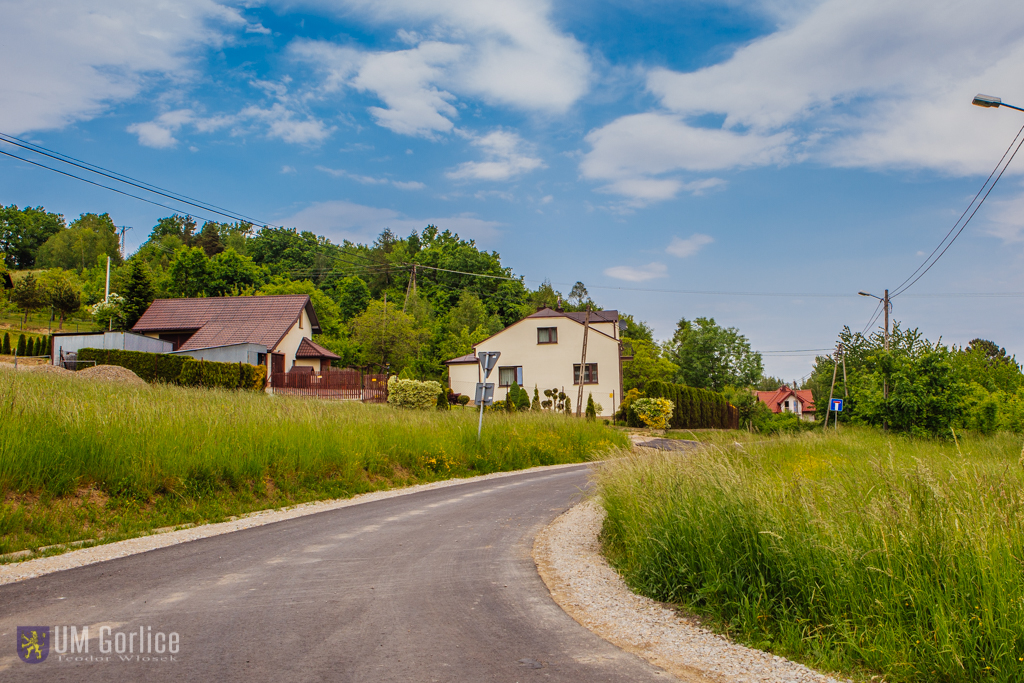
x=786, y=400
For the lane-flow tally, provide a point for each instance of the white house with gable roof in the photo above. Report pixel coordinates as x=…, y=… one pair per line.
x=544, y=350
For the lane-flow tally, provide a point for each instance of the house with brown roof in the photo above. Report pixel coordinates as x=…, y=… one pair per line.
x=786, y=400
x=276, y=331
x=544, y=350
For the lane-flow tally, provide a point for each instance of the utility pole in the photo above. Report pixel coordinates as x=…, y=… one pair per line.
x=583, y=363
x=886, y=304
x=835, y=369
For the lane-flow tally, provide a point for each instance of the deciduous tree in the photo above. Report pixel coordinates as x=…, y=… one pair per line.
x=710, y=356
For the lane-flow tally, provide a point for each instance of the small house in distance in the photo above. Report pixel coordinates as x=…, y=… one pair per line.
x=544, y=350
x=786, y=400
x=276, y=331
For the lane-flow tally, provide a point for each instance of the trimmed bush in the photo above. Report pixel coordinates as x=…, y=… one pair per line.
x=162, y=367
x=5, y=347
x=411, y=393
x=463, y=399
x=204, y=373
x=591, y=412
x=694, y=408
x=653, y=412
x=22, y=345
x=442, y=401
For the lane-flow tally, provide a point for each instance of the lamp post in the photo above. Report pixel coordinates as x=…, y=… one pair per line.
x=888, y=306
x=990, y=101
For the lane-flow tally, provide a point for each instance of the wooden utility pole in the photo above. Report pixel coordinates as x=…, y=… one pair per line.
x=885, y=382
x=583, y=363
x=411, y=287
x=835, y=369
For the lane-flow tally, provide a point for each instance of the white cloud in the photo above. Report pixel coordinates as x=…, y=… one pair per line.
x=1006, y=219
x=688, y=247
x=634, y=153
x=65, y=62
x=288, y=169
x=509, y=54
x=871, y=84
x=283, y=123
x=637, y=274
x=507, y=156
x=370, y=180
x=345, y=220
x=159, y=132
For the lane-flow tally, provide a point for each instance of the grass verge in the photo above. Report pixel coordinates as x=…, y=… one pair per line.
x=859, y=552
x=86, y=460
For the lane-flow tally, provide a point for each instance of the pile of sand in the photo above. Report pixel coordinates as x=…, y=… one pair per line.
x=110, y=373
x=48, y=369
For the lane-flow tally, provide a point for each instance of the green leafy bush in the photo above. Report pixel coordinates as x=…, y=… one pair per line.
x=5, y=347
x=653, y=412
x=162, y=367
x=442, y=401
x=464, y=399
x=695, y=408
x=411, y=393
x=204, y=373
x=591, y=412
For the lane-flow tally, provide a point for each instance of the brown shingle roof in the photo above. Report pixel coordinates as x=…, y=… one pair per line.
x=468, y=358
x=578, y=316
x=310, y=349
x=228, y=320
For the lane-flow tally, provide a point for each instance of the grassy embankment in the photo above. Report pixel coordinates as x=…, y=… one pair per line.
x=859, y=552
x=92, y=460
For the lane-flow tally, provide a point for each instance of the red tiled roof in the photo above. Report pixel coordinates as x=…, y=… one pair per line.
x=773, y=399
x=310, y=349
x=468, y=358
x=219, y=321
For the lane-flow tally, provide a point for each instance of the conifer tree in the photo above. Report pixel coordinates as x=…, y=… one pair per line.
x=21, y=345
x=5, y=348
x=138, y=292
x=536, y=399
x=591, y=408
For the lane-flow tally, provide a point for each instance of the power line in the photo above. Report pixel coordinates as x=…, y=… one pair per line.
x=904, y=286
x=106, y=187
x=128, y=180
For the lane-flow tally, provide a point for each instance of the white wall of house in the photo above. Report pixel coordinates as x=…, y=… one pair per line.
x=289, y=344
x=549, y=366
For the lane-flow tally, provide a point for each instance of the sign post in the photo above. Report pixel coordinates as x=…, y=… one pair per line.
x=485, y=391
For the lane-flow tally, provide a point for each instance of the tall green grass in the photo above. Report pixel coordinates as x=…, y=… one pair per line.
x=156, y=454
x=857, y=552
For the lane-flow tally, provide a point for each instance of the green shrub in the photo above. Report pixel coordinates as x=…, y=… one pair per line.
x=442, y=401
x=22, y=346
x=411, y=393
x=695, y=408
x=204, y=373
x=5, y=347
x=173, y=369
x=591, y=408
x=653, y=412
x=464, y=399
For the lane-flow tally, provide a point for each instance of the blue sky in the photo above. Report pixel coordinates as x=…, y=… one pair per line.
x=799, y=148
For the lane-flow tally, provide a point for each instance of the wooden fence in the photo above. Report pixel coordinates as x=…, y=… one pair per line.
x=345, y=384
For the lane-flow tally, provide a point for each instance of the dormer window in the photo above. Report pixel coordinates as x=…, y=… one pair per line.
x=547, y=335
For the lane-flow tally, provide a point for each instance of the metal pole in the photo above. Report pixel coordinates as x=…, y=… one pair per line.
x=480, y=422
x=835, y=369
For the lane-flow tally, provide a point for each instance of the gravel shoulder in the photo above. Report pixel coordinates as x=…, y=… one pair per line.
x=568, y=556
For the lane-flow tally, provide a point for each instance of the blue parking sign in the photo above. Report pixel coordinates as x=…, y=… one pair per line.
x=837, y=405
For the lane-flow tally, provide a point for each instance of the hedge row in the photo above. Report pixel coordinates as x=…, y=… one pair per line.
x=162, y=367
x=695, y=408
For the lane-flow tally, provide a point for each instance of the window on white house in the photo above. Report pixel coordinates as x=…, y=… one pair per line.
x=589, y=375
x=510, y=374
x=787, y=405
x=547, y=335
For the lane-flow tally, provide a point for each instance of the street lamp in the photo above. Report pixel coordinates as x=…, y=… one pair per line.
x=885, y=302
x=989, y=101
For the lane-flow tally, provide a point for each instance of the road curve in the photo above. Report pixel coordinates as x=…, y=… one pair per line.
x=437, y=585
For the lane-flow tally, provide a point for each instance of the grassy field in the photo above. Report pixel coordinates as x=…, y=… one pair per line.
x=92, y=460
x=860, y=552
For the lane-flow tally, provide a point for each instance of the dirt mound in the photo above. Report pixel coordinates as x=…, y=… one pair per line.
x=111, y=373
x=48, y=369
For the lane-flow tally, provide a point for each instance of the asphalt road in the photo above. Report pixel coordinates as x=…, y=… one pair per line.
x=437, y=585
